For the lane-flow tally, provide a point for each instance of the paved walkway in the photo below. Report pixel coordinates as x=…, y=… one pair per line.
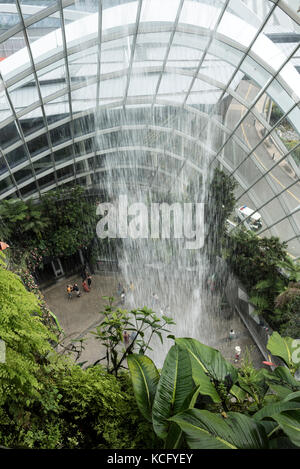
x=81, y=315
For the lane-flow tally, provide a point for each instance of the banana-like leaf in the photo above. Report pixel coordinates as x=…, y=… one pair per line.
x=290, y=423
x=282, y=382
x=206, y=430
x=294, y=396
x=272, y=410
x=282, y=347
x=175, y=435
x=207, y=365
x=145, y=377
x=175, y=385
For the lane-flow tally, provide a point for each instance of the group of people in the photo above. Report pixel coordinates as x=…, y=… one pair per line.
x=86, y=284
x=71, y=289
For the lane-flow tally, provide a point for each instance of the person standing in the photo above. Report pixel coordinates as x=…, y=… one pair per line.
x=123, y=297
x=76, y=290
x=237, y=353
x=89, y=281
x=85, y=286
x=120, y=288
x=69, y=292
x=126, y=338
x=231, y=334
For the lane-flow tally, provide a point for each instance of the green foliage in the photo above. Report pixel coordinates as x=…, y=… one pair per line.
x=259, y=264
x=140, y=322
x=174, y=387
x=204, y=430
x=284, y=348
x=57, y=225
x=145, y=377
x=46, y=401
x=219, y=206
x=259, y=408
x=26, y=341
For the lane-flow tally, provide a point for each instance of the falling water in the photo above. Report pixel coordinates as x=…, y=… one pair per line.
x=145, y=156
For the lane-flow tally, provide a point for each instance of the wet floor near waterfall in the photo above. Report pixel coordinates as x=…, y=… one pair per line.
x=79, y=316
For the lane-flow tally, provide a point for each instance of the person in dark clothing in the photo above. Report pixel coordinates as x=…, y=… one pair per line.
x=89, y=281
x=76, y=290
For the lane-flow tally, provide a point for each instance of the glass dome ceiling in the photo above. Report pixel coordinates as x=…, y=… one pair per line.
x=175, y=84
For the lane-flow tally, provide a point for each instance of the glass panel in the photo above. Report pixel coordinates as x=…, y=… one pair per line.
x=60, y=134
x=3, y=167
x=9, y=135
x=23, y=175
x=37, y=145
x=28, y=190
x=32, y=121
x=20, y=61
x=47, y=180
x=6, y=184
x=153, y=10
x=23, y=94
x=43, y=164
x=16, y=156
x=187, y=50
x=195, y=13
x=5, y=110
x=174, y=87
x=273, y=47
x=52, y=78
x=65, y=172
x=64, y=154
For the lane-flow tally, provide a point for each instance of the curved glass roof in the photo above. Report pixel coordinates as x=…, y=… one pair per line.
x=170, y=87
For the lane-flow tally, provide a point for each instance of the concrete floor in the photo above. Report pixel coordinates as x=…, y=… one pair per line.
x=79, y=316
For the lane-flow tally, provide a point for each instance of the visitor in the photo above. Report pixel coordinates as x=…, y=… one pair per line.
x=154, y=300
x=123, y=297
x=232, y=334
x=89, y=281
x=126, y=338
x=85, y=286
x=237, y=353
x=76, y=290
x=69, y=292
x=120, y=288
x=131, y=286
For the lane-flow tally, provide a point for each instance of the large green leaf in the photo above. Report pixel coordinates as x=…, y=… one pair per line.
x=272, y=410
x=290, y=423
x=282, y=347
x=282, y=382
x=175, y=436
x=208, y=365
x=144, y=377
x=205, y=430
x=175, y=385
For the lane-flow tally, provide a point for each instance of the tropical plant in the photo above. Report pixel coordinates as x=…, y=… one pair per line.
x=219, y=205
x=192, y=402
x=47, y=401
x=143, y=325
